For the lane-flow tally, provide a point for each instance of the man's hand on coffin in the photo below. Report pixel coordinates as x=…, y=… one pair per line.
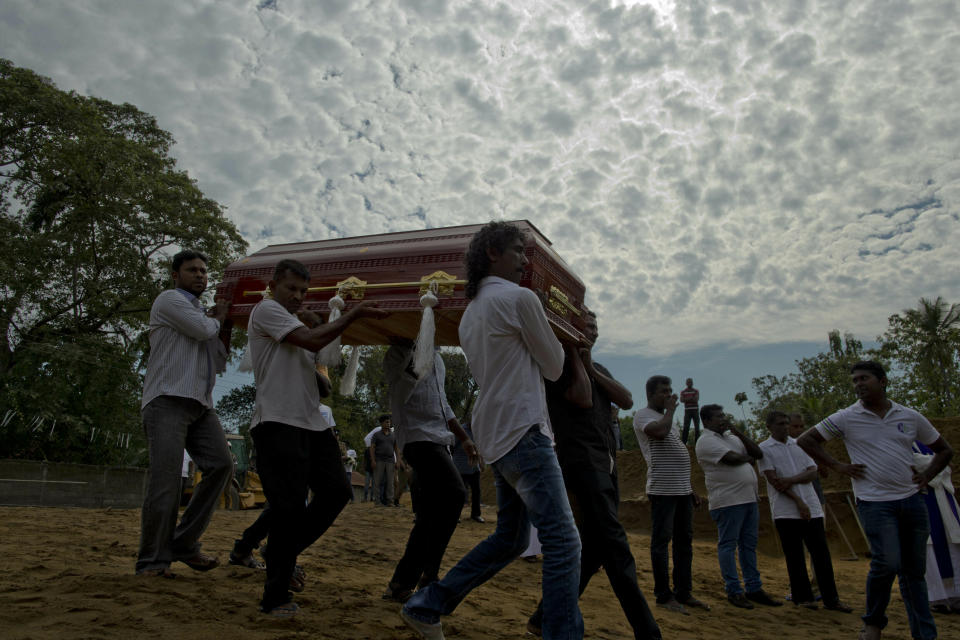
x=366, y=309
x=219, y=310
x=309, y=318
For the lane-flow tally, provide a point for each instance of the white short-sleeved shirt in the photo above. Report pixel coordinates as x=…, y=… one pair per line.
x=788, y=459
x=668, y=461
x=727, y=484
x=285, y=374
x=883, y=445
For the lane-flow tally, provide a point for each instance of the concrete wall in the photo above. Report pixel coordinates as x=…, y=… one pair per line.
x=57, y=484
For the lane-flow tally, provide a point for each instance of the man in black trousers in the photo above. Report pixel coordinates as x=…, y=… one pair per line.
x=579, y=405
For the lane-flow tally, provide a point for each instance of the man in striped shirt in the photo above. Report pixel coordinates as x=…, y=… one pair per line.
x=671, y=495
x=188, y=347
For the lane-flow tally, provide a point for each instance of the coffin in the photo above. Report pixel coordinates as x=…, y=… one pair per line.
x=393, y=270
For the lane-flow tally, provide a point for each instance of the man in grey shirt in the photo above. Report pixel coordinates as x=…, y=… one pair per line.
x=177, y=409
x=425, y=429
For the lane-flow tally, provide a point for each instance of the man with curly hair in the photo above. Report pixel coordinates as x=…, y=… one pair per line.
x=511, y=349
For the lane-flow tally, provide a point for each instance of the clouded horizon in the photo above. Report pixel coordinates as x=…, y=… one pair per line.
x=725, y=173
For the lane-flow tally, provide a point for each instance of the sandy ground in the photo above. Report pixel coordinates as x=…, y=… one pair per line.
x=69, y=574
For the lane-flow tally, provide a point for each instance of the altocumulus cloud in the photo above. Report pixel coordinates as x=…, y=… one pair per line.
x=734, y=172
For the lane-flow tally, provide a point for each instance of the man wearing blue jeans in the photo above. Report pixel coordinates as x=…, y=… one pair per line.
x=511, y=348
x=878, y=435
x=727, y=458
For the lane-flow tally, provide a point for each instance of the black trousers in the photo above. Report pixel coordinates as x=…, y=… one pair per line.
x=595, y=500
x=253, y=535
x=794, y=534
x=291, y=461
x=439, y=498
x=472, y=480
x=688, y=416
x=671, y=520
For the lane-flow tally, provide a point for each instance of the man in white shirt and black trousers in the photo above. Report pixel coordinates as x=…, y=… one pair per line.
x=511, y=348
x=296, y=448
x=878, y=435
x=797, y=514
x=188, y=347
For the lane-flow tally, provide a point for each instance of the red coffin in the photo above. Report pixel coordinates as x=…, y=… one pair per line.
x=399, y=262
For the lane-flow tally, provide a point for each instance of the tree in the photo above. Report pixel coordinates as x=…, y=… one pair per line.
x=91, y=206
x=820, y=386
x=627, y=434
x=924, y=343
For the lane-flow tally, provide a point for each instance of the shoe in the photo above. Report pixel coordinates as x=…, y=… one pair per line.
x=869, y=632
x=533, y=629
x=838, y=606
x=808, y=605
x=160, y=572
x=426, y=630
x=397, y=593
x=940, y=608
x=201, y=562
x=478, y=519
x=760, y=597
x=247, y=561
x=287, y=610
x=739, y=600
x=693, y=603
x=532, y=558
x=673, y=605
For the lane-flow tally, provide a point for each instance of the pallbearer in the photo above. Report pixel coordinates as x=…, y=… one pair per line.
x=296, y=449
x=511, y=348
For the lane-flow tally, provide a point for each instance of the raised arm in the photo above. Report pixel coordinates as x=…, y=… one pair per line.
x=579, y=392
x=537, y=335
x=618, y=393
x=322, y=334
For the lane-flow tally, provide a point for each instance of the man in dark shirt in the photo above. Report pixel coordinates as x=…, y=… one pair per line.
x=579, y=404
x=384, y=457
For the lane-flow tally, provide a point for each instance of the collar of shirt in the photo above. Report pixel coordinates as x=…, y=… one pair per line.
x=194, y=300
x=859, y=407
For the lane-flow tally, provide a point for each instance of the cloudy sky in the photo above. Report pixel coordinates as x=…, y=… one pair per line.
x=732, y=177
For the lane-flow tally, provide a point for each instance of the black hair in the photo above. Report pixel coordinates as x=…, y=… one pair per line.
x=707, y=410
x=773, y=416
x=294, y=267
x=187, y=254
x=655, y=381
x=383, y=418
x=493, y=235
x=870, y=366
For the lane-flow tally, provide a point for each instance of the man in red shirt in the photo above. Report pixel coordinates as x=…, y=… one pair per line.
x=690, y=399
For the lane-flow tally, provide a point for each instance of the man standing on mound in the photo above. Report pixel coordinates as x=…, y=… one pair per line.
x=296, y=449
x=511, y=349
x=879, y=435
x=177, y=408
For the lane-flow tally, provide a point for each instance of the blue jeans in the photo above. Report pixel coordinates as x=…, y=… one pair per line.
x=530, y=489
x=898, y=531
x=737, y=532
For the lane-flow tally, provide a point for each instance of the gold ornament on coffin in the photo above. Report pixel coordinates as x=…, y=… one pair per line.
x=440, y=282
x=352, y=287
x=560, y=304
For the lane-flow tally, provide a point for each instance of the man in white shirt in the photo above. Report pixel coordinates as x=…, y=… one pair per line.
x=510, y=349
x=425, y=430
x=727, y=458
x=797, y=514
x=671, y=495
x=878, y=435
x=296, y=449
x=188, y=347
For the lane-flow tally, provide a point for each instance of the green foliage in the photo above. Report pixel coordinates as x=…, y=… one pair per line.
x=626, y=433
x=91, y=206
x=820, y=386
x=924, y=344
